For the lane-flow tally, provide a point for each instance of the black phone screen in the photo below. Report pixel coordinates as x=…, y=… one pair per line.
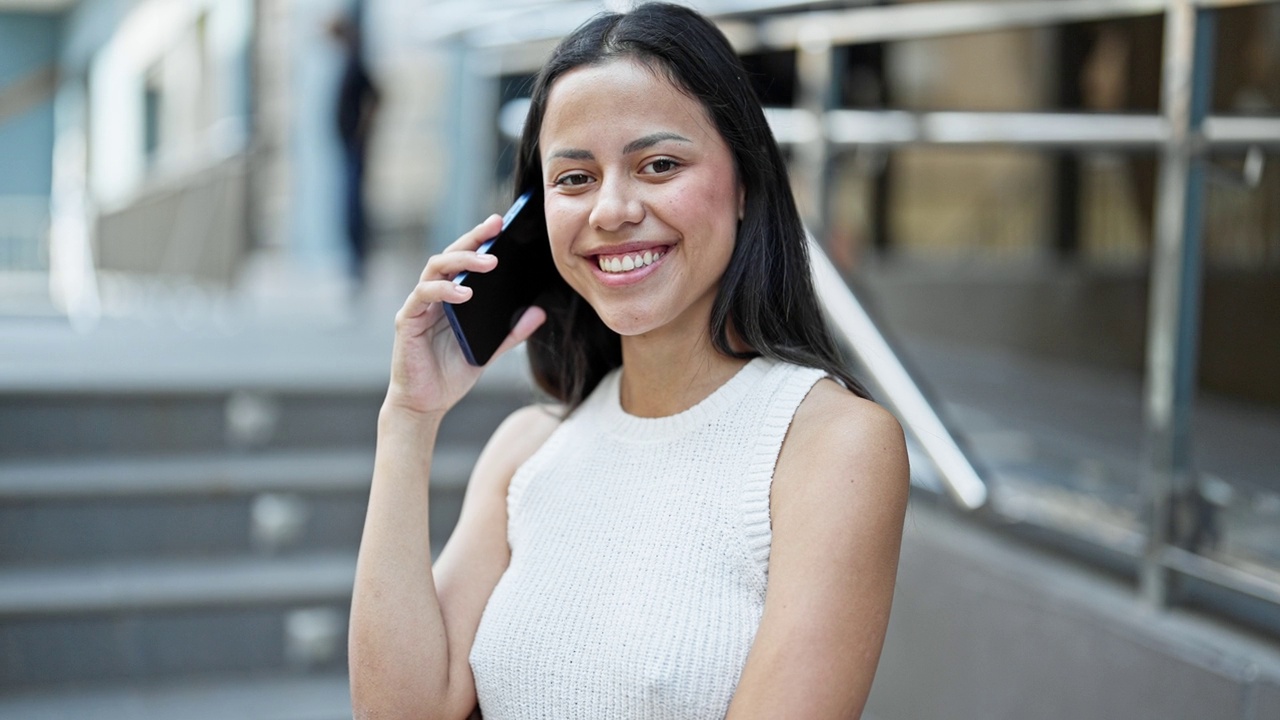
x=524, y=271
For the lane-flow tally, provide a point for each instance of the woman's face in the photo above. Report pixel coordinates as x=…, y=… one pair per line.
x=642, y=198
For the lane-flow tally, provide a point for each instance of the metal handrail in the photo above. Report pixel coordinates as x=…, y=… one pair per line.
x=1076, y=130
x=844, y=129
x=887, y=23
x=1025, y=129
x=898, y=389
x=516, y=23
x=884, y=23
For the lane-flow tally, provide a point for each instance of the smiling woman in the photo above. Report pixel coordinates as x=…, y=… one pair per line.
x=707, y=525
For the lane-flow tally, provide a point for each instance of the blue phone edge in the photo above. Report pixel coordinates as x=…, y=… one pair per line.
x=510, y=215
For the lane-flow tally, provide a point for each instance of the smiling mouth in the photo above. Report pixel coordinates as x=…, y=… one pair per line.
x=629, y=261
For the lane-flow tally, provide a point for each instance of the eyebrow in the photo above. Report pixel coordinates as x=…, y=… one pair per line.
x=650, y=140
x=574, y=154
x=647, y=141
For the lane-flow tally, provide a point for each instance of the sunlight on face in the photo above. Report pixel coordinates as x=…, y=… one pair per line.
x=642, y=197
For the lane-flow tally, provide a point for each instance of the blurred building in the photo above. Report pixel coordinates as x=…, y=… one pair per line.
x=28, y=78
x=193, y=142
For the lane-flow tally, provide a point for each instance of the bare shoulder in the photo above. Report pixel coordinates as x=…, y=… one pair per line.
x=842, y=448
x=836, y=424
x=517, y=439
x=526, y=429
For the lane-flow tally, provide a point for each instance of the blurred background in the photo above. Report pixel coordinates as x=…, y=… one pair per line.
x=1049, y=233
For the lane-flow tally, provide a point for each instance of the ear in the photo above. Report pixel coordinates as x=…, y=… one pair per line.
x=742, y=202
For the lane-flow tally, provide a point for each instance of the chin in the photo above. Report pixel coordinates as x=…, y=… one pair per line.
x=629, y=327
x=628, y=323
x=642, y=316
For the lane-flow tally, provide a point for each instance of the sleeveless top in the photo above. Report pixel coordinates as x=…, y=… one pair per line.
x=639, y=557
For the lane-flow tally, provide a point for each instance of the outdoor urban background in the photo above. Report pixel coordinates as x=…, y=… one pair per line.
x=1049, y=234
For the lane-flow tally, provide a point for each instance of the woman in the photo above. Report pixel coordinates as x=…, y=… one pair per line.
x=709, y=524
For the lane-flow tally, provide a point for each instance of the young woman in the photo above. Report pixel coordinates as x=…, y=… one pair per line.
x=708, y=524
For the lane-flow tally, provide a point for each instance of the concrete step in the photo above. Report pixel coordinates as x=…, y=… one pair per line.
x=167, y=585
x=154, y=619
x=200, y=506
x=185, y=502
x=127, y=389
x=142, y=422
x=322, y=697
x=201, y=475
x=34, y=534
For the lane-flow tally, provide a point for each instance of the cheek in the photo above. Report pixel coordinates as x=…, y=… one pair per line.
x=562, y=228
x=717, y=189
x=559, y=232
x=714, y=206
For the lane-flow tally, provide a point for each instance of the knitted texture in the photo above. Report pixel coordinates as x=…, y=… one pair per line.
x=639, y=557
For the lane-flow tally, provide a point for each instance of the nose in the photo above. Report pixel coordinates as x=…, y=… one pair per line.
x=617, y=205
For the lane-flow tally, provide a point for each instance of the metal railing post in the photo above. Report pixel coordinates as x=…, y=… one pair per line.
x=1174, y=302
x=470, y=124
x=898, y=389
x=814, y=76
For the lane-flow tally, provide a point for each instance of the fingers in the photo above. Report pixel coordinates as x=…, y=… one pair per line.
x=447, y=265
x=530, y=321
x=476, y=236
x=440, y=291
x=460, y=254
x=431, y=291
x=435, y=284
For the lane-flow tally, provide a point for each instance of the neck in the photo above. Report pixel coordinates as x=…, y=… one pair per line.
x=663, y=376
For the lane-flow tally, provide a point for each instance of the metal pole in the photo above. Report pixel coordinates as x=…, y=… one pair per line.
x=470, y=135
x=1174, y=304
x=897, y=388
x=814, y=73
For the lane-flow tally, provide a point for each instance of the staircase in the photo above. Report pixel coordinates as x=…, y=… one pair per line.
x=180, y=515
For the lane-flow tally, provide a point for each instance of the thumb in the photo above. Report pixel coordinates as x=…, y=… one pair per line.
x=529, y=321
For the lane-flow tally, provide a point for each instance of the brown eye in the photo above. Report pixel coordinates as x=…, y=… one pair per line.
x=662, y=165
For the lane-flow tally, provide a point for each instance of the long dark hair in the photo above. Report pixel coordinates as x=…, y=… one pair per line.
x=766, y=294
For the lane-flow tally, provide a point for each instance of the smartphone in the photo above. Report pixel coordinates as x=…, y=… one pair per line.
x=524, y=271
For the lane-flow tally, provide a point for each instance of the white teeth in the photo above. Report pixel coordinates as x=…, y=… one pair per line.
x=628, y=262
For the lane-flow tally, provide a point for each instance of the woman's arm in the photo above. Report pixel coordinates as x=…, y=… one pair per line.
x=409, y=638
x=412, y=625
x=838, y=500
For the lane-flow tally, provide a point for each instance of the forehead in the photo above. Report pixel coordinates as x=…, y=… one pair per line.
x=599, y=103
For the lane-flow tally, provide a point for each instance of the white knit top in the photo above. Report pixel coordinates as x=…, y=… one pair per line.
x=639, y=555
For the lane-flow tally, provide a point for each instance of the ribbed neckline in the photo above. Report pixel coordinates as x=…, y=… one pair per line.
x=643, y=429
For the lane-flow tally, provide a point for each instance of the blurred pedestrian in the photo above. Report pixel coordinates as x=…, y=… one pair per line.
x=356, y=108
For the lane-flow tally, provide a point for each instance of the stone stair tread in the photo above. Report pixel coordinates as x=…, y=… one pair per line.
x=123, y=356
x=324, y=697
x=213, y=473
x=169, y=584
